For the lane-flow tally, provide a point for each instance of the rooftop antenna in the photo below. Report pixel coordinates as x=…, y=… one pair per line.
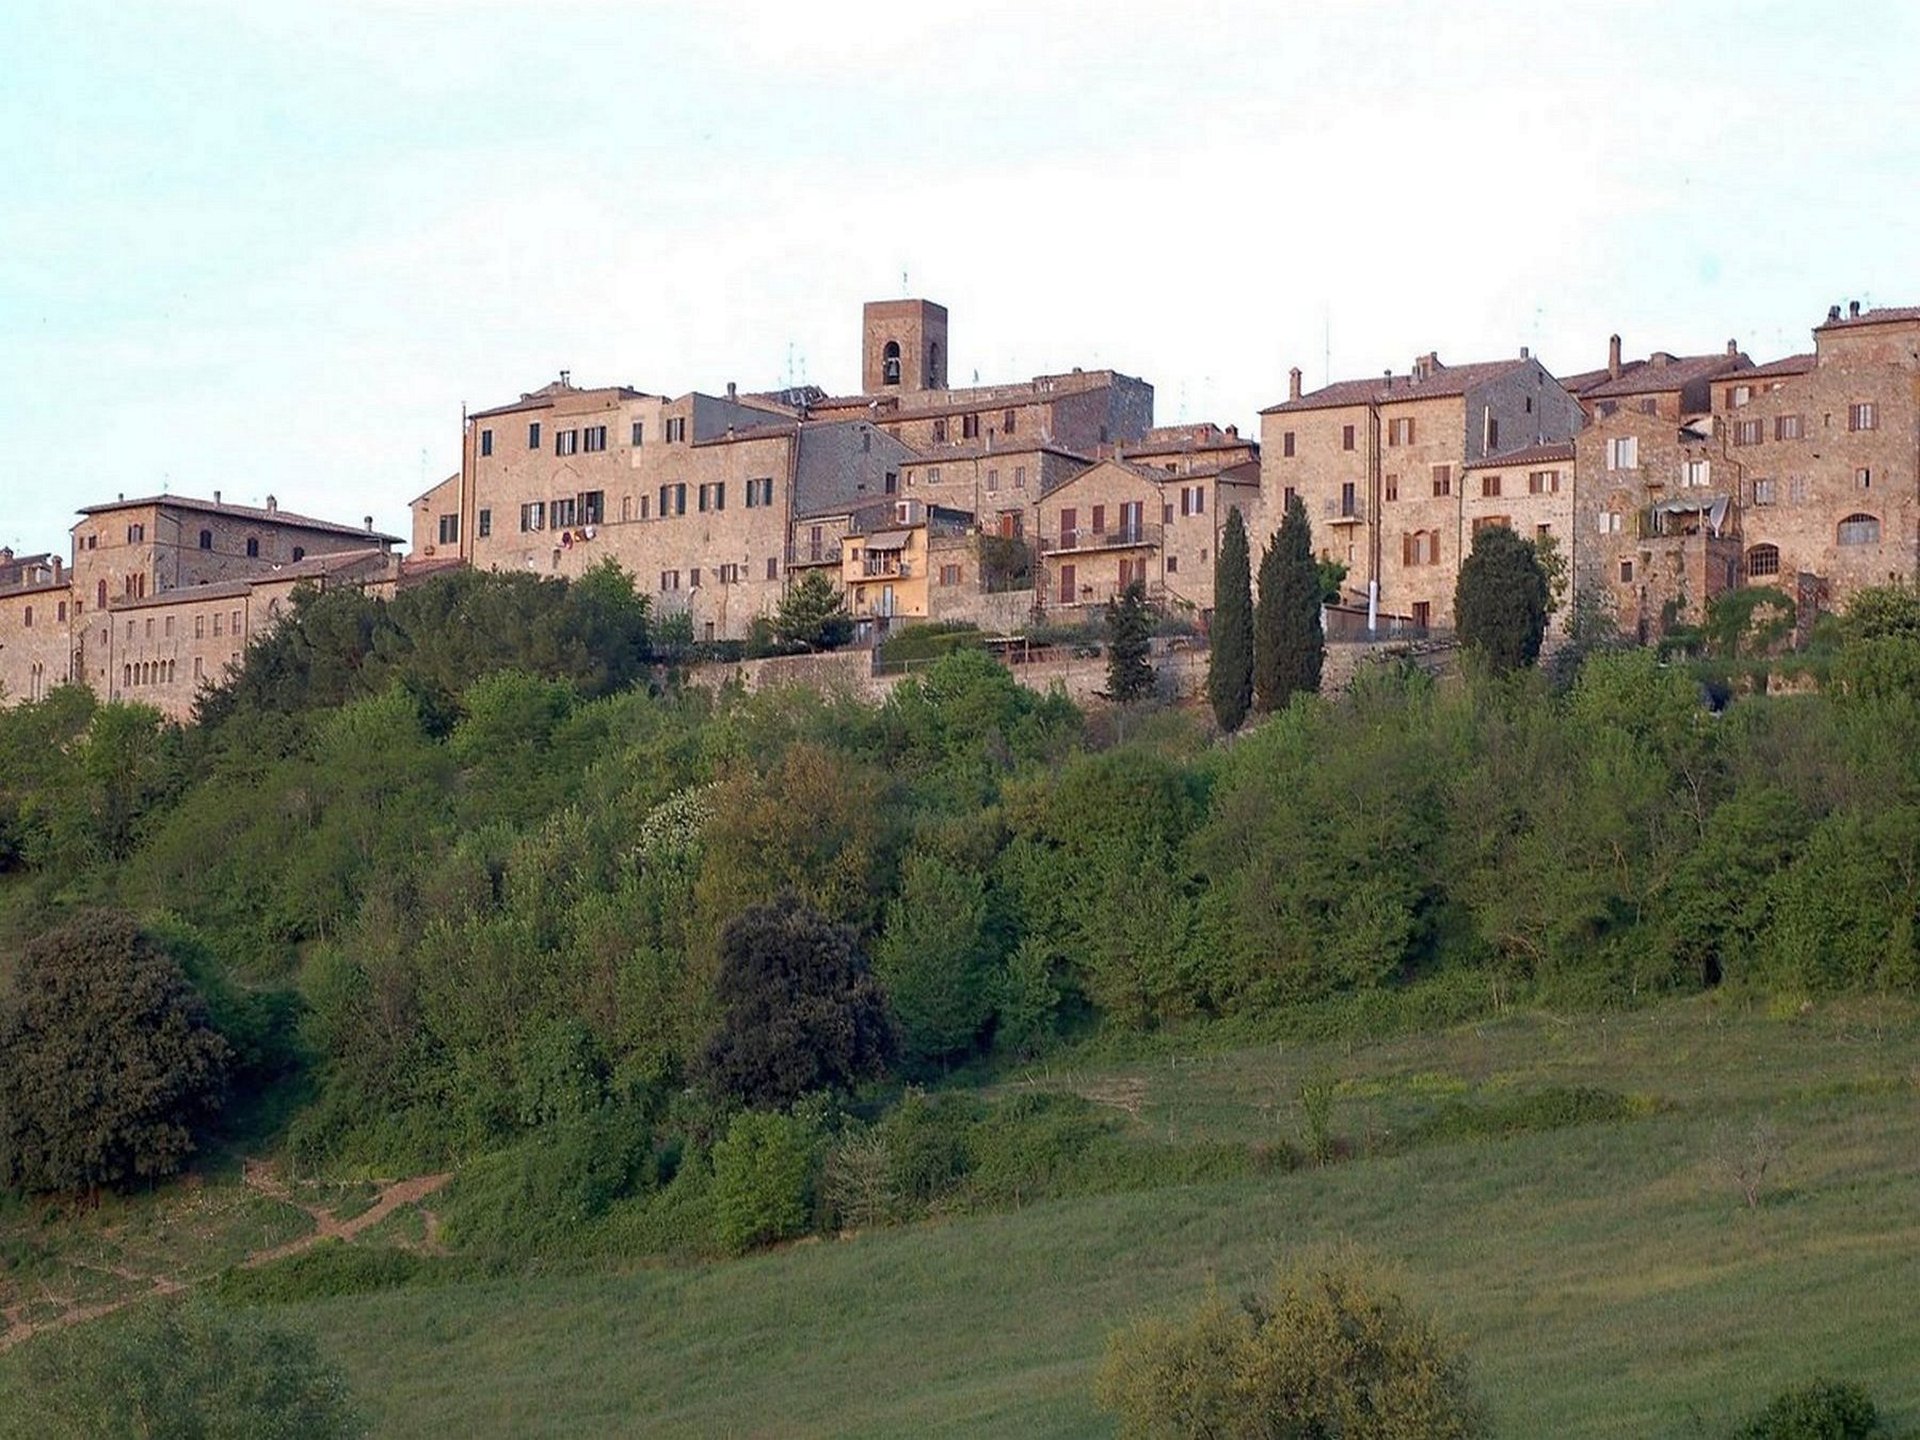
x=789, y=364
x=904, y=291
x=1326, y=342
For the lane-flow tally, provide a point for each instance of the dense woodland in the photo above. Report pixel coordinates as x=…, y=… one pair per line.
x=471, y=877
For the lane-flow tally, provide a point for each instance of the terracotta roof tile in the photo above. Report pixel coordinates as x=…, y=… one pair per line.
x=241, y=512
x=1553, y=450
x=1647, y=377
x=1443, y=382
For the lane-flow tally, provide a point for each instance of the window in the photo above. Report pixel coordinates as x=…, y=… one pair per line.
x=1543, y=482
x=639, y=432
x=1099, y=519
x=760, y=492
x=677, y=430
x=1738, y=395
x=1420, y=547
x=1132, y=513
x=449, y=529
x=950, y=574
x=1650, y=406
x=1611, y=522
x=1623, y=452
x=136, y=533
x=533, y=516
x=1349, y=502
x=300, y=552
x=253, y=547
x=1400, y=432
x=1173, y=564
x=199, y=668
x=1007, y=419
x=233, y=622
x=1442, y=480
x=1346, y=437
x=1789, y=427
x=27, y=620
x=993, y=480
x=773, y=567
x=199, y=627
x=669, y=580
x=729, y=574
x=564, y=513
x=1864, y=415
x=1487, y=522
x=646, y=507
x=1763, y=492
x=1286, y=444
x=1492, y=428
x=533, y=435
x=166, y=627
x=1763, y=560
x=940, y=430
x=1626, y=572
x=93, y=542
x=693, y=578
x=1166, y=513
x=486, y=442
x=890, y=363
x=1863, y=478
x=486, y=524
x=1748, y=432
x=969, y=427
x=673, y=500
x=1695, y=473
x=1393, y=487
x=1019, y=477
x=713, y=496
x=1489, y=487
x=206, y=539
x=933, y=475
x=1797, y=490
x=594, y=438
x=61, y=613
x=566, y=442
x=1858, y=530
x=593, y=507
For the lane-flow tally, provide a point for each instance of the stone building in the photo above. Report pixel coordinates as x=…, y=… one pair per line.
x=1380, y=466
x=163, y=592
x=1670, y=386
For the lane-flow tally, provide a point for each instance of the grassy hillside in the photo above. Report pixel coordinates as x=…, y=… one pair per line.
x=1609, y=1278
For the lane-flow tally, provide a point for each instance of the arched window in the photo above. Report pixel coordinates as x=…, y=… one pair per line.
x=1859, y=530
x=100, y=596
x=126, y=677
x=933, y=363
x=1763, y=560
x=29, y=620
x=206, y=539
x=890, y=363
x=253, y=548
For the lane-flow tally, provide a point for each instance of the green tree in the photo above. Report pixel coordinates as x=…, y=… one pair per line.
x=108, y=1067
x=799, y=1008
x=934, y=959
x=1818, y=1410
x=1129, y=645
x=763, y=1179
x=1327, y=1351
x=1500, y=599
x=1230, y=667
x=813, y=614
x=173, y=1372
x=1288, y=642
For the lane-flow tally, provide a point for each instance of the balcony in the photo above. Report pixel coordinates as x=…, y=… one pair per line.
x=827, y=552
x=886, y=566
x=1344, y=511
x=1085, y=538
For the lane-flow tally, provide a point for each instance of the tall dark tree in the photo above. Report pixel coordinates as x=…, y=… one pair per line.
x=813, y=614
x=799, y=1008
x=1230, y=668
x=1500, y=600
x=1129, y=645
x=1288, y=642
x=108, y=1067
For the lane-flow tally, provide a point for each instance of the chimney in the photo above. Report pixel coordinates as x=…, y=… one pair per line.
x=1733, y=348
x=1853, y=309
x=1525, y=354
x=1233, y=432
x=1613, y=357
x=1833, y=314
x=1293, y=383
x=273, y=505
x=216, y=497
x=369, y=524
x=58, y=565
x=566, y=377
x=732, y=392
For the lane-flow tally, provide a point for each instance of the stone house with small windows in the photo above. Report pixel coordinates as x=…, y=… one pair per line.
x=1669, y=386
x=1380, y=466
x=1530, y=490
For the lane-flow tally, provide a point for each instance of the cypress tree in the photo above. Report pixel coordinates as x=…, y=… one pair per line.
x=1129, y=643
x=1230, y=667
x=1287, y=639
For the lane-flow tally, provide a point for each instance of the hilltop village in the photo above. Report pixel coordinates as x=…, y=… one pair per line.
x=1662, y=480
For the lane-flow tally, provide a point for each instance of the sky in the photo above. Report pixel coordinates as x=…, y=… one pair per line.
x=276, y=248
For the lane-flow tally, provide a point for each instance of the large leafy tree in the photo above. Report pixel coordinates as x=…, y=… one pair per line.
x=935, y=960
x=1129, y=645
x=800, y=1010
x=108, y=1066
x=1288, y=642
x=1500, y=600
x=1230, y=668
x=813, y=614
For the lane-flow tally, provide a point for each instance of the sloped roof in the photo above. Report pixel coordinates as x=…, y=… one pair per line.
x=1656, y=376
x=544, y=397
x=1789, y=365
x=1884, y=315
x=240, y=512
x=1442, y=382
x=1551, y=451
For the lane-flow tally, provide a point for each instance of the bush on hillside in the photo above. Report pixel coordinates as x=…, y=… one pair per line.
x=1818, y=1410
x=1328, y=1350
x=763, y=1179
x=108, y=1067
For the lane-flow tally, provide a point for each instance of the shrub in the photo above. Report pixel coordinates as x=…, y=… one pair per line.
x=179, y=1373
x=108, y=1066
x=540, y=1193
x=1500, y=599
x=1818, y=1410
x=763, y=1173
x=329, y=1269
x=1328, y=1350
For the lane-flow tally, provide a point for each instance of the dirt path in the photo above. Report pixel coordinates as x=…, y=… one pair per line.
x=261, y=1178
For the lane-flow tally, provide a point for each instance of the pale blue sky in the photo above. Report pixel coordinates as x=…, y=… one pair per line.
x=267, y=248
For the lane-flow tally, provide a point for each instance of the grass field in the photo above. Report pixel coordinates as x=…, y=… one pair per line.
x=1609, y=1279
